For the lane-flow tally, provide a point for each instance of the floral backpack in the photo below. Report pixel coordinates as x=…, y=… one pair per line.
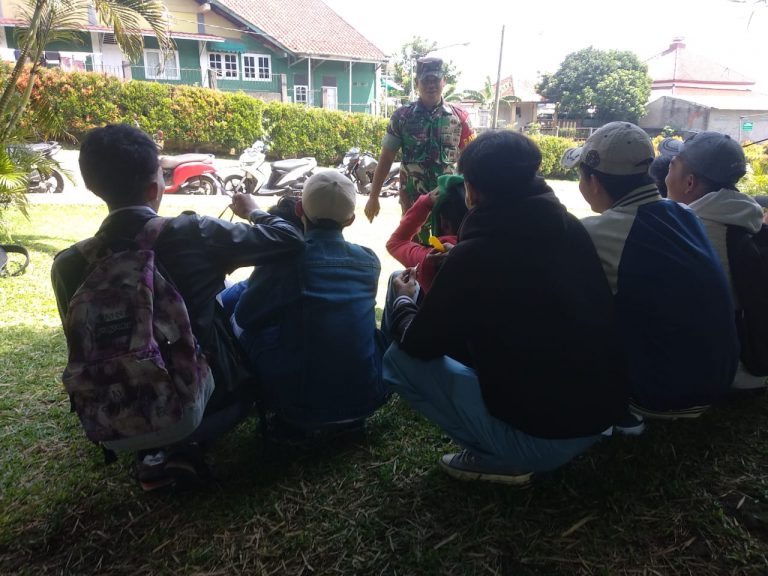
x=135, y=375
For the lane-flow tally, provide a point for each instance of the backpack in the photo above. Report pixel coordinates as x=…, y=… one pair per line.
x=748, y=260
x=135, y=375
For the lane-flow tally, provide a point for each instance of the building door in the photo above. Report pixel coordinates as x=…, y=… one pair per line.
x=330, y=97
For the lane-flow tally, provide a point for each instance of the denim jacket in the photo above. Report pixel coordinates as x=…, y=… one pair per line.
x=309, y=327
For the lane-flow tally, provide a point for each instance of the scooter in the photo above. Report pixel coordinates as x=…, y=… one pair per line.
x=48, y=181
x=283, y=177
x=189, y=173
x=360, y=167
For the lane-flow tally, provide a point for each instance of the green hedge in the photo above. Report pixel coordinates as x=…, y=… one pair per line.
x=552, y=150
x=199, y=119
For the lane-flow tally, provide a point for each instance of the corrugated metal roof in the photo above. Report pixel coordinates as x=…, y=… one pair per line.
x=306, y=28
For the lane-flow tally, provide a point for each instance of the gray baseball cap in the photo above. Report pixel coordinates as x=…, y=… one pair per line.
x=715, y=156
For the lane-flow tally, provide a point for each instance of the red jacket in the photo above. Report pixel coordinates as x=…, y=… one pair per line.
x=409, y=253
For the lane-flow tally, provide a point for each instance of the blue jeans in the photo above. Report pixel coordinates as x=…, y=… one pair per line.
x=448, y=393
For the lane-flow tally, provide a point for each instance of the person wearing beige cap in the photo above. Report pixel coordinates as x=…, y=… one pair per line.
x=673, y=303
x=308, y=323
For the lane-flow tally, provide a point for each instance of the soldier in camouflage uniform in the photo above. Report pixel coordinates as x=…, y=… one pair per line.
x=430, y=132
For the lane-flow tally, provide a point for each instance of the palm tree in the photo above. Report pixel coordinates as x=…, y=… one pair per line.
x=451, y=95
x=50, y=21
x=487, y=96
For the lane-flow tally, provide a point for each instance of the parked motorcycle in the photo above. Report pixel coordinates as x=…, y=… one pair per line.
x=49, y=180
x=190, y=174
x=359, y=167
x=283, y=177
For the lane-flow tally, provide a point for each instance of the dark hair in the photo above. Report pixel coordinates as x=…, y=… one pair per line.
x=498, y=162
x=286, y=209
x=658, y=170
x=618, y=186
x=453, y=208
x=117, y=162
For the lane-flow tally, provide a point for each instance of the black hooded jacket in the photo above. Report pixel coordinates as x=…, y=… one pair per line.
x=523, y=299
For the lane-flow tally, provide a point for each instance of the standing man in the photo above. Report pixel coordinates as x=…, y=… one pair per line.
x=430, y=132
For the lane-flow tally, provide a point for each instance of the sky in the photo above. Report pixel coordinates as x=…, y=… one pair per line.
x=540, y=33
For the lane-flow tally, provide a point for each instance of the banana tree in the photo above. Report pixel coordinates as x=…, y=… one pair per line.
x=48, y=21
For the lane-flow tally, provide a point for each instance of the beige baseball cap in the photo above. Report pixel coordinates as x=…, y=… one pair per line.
x=618, y=148
x=328, y=195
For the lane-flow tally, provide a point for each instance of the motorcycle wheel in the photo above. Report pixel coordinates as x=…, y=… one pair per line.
x=52, y=183
x=205, y=185
x=392, y=189
x=236, y=184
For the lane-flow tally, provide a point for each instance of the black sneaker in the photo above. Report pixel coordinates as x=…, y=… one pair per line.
x=185, y=465
x=465, y=466
x=150, y=470
x=630, y=425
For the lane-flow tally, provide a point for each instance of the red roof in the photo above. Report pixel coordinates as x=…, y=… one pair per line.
x=678, y=65
x=306, y=28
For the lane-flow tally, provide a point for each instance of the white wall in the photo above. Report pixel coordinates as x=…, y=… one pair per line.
x=729, y=121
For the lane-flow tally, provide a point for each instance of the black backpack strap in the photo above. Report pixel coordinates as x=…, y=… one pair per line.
x=14, y=249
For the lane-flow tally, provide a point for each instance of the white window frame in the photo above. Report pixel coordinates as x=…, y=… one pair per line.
x=222, y=70
x=305, y=88
x=151, y=74
x=257, y=68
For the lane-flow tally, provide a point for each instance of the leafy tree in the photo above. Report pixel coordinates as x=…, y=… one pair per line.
x=48, y=21
x=405, y=63
x=607, y=84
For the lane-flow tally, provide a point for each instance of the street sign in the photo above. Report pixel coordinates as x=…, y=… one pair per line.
x=746, y=126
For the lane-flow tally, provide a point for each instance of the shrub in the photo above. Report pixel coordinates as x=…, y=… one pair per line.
x=201, y=119
x=552, y=150
x=756, y=180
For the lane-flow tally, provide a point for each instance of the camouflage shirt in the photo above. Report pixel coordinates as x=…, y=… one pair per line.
x=430, y=142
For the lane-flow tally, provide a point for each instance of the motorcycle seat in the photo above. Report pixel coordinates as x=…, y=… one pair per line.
x=170, y=162
x=292, y=164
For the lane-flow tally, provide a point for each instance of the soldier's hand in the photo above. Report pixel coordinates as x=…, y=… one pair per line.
x=372, y=207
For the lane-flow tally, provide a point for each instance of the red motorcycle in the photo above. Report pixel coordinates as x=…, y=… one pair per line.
x=189, y=173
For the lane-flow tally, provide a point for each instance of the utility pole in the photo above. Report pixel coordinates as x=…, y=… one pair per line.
x=498, y=83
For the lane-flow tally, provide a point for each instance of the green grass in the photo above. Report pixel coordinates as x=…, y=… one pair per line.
x=686, y=498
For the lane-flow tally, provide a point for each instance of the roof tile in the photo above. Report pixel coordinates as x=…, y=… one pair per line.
x=306, y=27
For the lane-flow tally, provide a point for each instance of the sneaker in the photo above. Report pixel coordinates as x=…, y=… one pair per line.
x=630, y=425
x=682, y=413
x=185, y=466
x=465, y=466
x=150, y=470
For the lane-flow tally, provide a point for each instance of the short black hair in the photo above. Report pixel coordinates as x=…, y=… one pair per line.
x=658, y=170
x=117, y=162
x=618, y=186
x=286, y=209
x=453, y=207
x=498, y=162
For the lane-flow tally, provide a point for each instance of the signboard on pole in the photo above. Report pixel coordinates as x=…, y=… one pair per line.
x=746, y=126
